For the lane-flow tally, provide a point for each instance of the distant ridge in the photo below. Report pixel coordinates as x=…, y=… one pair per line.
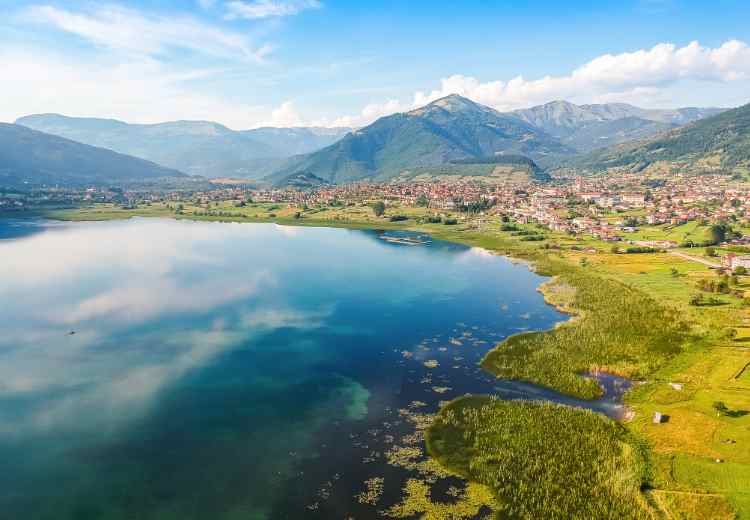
x=196, y=147
x=29, y=157
x=588, y=127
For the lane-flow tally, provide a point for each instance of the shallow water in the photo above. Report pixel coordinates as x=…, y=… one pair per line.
x=163, y=369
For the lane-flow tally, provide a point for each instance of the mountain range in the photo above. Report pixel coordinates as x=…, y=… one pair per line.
x=588, y=127
x=455, y=128
x=717, y=143
x=31, y=158
x=194, y=147
x=450, y=136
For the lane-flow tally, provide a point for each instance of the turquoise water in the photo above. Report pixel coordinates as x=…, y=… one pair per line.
x=183, y=370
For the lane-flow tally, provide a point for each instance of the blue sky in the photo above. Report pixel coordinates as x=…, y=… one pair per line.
x=247, y=63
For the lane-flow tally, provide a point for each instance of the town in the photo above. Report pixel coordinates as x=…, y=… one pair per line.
x=612, y=208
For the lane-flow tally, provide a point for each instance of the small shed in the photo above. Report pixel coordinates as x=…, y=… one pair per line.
x=657, y=418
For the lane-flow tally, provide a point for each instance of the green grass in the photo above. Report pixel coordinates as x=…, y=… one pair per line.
x=689, y=231
x=745, y=375
x=619, y=330
x=522, y=451
x=705, y=474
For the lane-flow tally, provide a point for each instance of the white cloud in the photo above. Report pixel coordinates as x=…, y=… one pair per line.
x=640, y=96
x=131, y=80
x=642, y=71
x=134, y=32
x=269, y=8
x=132, y=75
x=137, y=90
x=286, y=115
x=642, y=77
x=369, y=114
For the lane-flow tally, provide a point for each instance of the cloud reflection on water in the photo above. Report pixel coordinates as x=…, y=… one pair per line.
x=116, y=286
x=151, y=300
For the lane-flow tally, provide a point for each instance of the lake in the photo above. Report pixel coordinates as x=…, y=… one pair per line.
x=186, y=370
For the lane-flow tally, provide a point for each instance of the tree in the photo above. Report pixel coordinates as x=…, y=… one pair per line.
x=717, y=233
x=710, y=251
x=378, y=208
x=740, y=270
x=423, y=201
x=720, y=407
x=696, y=300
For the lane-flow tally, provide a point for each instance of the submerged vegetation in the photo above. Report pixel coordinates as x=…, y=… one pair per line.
x=620, y=331
x=522, y=452
x=466, y=504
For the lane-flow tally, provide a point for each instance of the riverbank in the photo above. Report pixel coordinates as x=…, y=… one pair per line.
x=700, y=460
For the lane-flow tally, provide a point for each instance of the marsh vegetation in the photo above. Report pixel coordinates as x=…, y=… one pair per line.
x=620, y=330
x=522, y=452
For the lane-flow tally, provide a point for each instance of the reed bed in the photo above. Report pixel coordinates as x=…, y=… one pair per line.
x=542, y=460
x=620, y=330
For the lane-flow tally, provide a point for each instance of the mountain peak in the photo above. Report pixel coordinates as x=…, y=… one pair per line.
x=560, y=103
x=448, y=129
x=453, y=104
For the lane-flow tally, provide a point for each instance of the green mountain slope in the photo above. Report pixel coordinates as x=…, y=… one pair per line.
x=28, y=157
x=719, y=143
x=446, y=130
x=499, y=169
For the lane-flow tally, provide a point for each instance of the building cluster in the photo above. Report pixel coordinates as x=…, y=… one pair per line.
x=22, y=200
x=607, y=208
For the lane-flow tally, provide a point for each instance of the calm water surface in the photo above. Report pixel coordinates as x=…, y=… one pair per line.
x=156, y=369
